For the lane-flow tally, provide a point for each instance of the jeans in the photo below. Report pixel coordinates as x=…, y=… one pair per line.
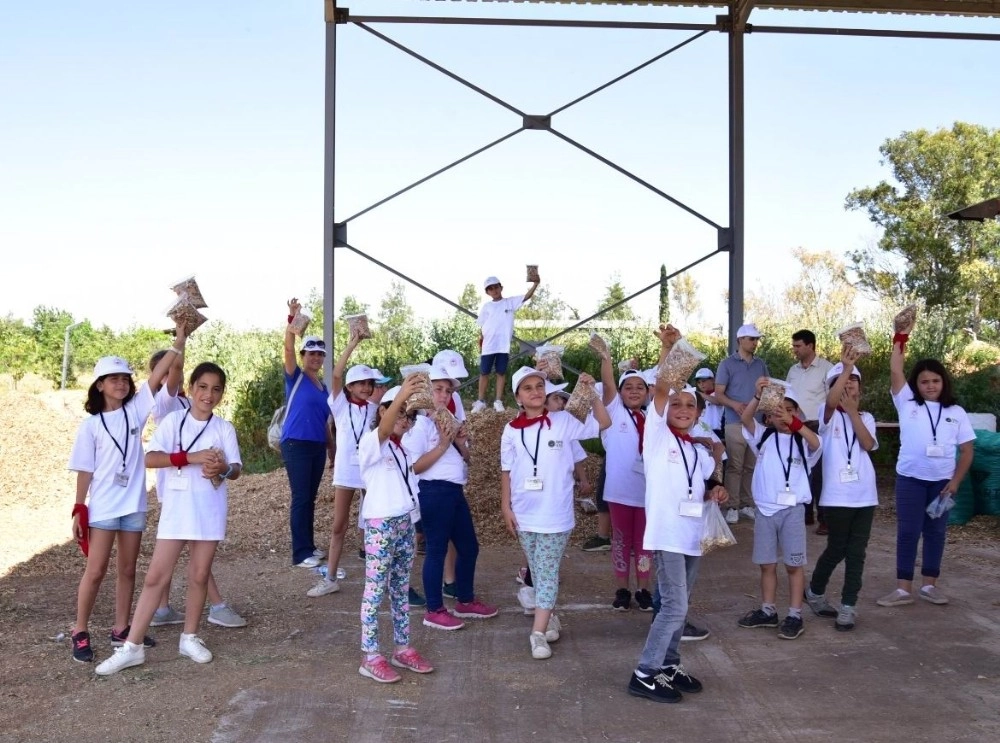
x=850, y=529
x=444, y=512
x=675, y=577
x=739, y=467
x=912, y=498
x=305, y=462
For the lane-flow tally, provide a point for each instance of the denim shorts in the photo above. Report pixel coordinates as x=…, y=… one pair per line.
x=129, y=522
x=494, y=361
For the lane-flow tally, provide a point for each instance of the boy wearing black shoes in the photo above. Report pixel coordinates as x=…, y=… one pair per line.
x=676, y=470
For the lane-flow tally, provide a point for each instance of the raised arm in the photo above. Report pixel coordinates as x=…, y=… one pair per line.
x=389, y=416
x=337, y=384
x=163, y=367
x=607, y=380
x=291, y=363
x=531, y=292
x=848, y=357
x=897, y=377
x=750, y=408
x=668, y=336
x=600, y=412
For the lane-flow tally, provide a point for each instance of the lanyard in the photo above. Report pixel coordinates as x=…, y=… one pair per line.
x=786, y=470
x=641, y=416
x=934, y=424
x=403, y=468
x=534, y=457
x=350, y=416
x=694, y=467
x=854, y=439
x=124, y=452
x=180, y=432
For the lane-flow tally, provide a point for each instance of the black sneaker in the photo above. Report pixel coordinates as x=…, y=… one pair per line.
x=623, y=600
x=791, y=628
x=82, y=652
x=644, y=599
x=448, y=591
x=681, y=680
x=597, y=543
x=656, y=687
x=758, y=618
x=693, y=634
x=118, y=639
x=416, y=600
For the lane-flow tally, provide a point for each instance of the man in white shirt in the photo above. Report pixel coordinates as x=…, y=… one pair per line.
x=808, y=380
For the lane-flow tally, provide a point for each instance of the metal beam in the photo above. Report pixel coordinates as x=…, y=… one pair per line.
x=736, y=174
x=329, y=180
x=539, y=22
x=874, y=32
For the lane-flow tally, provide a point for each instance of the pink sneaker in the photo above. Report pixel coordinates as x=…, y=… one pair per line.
x=379, y=670
x=475, y=609
x=442, y=619
x=411, y=660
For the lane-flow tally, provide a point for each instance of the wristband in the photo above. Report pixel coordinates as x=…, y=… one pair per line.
x=179, y=459
x=757, y=398
x=178, y=351
x=80, y=508
x=796, y=425
x=290, y=318
x=901, y=339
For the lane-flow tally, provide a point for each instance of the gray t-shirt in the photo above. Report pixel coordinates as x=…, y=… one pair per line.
x=740, y=379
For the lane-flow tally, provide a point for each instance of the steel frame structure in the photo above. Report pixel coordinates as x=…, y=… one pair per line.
x=734, y=24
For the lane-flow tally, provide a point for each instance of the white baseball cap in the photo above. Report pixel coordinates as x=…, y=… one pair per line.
x=360, y=373
x=490, y=281
x=111, y=365
x=790, y=395
x=523, y=373
x=390, y=395
x=439, y=372
x=551, y=389
x=453, y=361
x=313, y=343
x=837, y=369
x=748, y=331
x=704, y=373
x=631, y=373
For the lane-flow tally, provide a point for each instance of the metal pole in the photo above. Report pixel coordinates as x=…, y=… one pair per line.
x=65, y=367
x=736, y=173
x=329, y=180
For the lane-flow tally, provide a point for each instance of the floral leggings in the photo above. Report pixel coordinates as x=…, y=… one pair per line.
x=389, y=549
x=544, y=553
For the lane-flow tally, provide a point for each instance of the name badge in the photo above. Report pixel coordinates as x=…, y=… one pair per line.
x=121, y=478
x=786, y=498
x=935, y=450
x=533, y=483
x=638, y=467
x=849, y=475
x=177, y=480
x=353, y=457
x=691, y=508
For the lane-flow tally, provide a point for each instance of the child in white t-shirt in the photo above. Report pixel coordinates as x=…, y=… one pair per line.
x=786, y=452
x=496, y=328
x=200, y=453
x=704, y=380
x=849, y=494
x=536, y=490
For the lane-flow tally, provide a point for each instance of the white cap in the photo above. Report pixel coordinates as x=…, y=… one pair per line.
x=439, y=372
x=390, y=395
x=111, y=365
x=453, y=361
x=631, y=373
x=313, y=343
x=704, y=373
x=523, y=373
x=360, y=373
x=380, y=378
x=650, y=376
x=790, y=395
x=490, y=281
x=553, y=388
x=748, y=331
x=837, y=369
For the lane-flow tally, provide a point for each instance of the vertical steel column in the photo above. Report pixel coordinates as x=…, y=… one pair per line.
x=329, y=179
x=737, y=26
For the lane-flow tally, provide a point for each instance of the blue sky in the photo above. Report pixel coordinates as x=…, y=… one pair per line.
x=140, y=143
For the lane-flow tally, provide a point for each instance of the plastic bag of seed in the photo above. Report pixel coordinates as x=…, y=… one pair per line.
x=187, y=314
x=772, y=396
x=548, y=360
x=581, y=401
x=189, y=287
x=358, y=326
x=421, y=399
x=599, y=345
x=533, y=273
x=854, y=336
x=905, y=319
x=300, y=322
x=447, y=423
x=679, y=364
x=716, y=533
x=217, y=480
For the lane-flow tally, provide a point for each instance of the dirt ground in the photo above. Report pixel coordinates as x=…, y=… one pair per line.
x=921, y=672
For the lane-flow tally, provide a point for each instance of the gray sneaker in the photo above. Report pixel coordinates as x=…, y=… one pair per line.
x=224, y=616
x=819, y=605
x=845, y=618
x=163, y=618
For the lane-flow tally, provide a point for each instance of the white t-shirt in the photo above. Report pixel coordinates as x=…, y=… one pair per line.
x=549, y=510
x=915, y=435
x=163, y=404
x=496, y=319
x=579, y=453
x=192, y=508
x=459, y=410
x=420, y=439
x=353, y=422
x=838, y=437
x=669, y=463
x=387, y=472
x=625, y=480
x=99, y=450
x=769, y=474
x=713, y=414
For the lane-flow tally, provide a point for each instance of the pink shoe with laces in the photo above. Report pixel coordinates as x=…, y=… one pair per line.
x=475, y=609
x=442, y=619
x=411, y=660
x=378, y=669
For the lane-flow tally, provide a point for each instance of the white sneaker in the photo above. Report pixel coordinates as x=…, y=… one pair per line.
x=552, y=631
x=321, y=554
x=194, y=648
x=341, y=574
x=732, y=516
x=322, y=588
x=540, y=649
x=478, y=406
x=125, y=656
x=526, y=597
x=498, y=406
x=310, y=562
x=749, y=512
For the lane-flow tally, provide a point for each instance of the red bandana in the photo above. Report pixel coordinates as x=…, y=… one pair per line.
x=681, y=435
x=639, y=418
x=396, y=440
x=359, y=403
x=523, y=421
x=451, y=405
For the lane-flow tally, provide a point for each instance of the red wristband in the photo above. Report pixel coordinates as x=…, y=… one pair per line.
x=179, y=459
x=290, y=318
x=901, y=339
x=795, y=426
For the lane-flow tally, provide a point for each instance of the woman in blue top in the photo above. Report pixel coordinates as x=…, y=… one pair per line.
x=305, y=437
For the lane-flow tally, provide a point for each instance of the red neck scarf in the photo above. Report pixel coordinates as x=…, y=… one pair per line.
x=396, y=440
x=639, y=418
x=451, y=405
x=359, y=403
x=523, y=421
x=681, y=435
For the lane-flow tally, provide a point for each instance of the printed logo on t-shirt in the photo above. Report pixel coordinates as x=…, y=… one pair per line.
x=623, y=428
x=554, y=444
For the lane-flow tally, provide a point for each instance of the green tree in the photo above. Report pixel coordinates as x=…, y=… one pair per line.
x=18, y=349
x=545, y=314
x=614, y=293
x=664, y=296
x=686, y=296
x=921, y=253
x=821, y=295
x=458, y=332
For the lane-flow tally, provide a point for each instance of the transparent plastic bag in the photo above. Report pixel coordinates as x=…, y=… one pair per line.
x=679, y=364
x=548, y=360
x=717, y=532
x=854, y=336
x=421, y=399
x=581, y=401
x=905, y=319
x=533, y=273
x=443, y=418
x=217, y=480
x=358, y=326
x=940, y=506
x=300, y=322
x=599, y=345
x=772, y=396
x=187, y=314
x=188, y=287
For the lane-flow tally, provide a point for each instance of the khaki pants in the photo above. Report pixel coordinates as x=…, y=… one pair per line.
x=739, y=467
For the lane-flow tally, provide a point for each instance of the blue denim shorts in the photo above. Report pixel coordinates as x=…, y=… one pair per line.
x=129, y=522
x=491, y=361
